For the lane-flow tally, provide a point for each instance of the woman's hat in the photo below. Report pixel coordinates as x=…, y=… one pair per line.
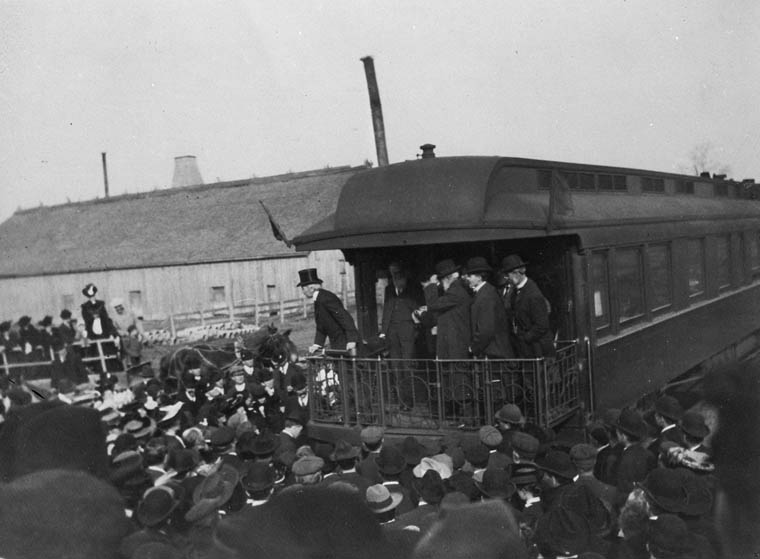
x=445, y=268
x=89, y=290
x=477, y=264
x=512, y=262
x=308, y=276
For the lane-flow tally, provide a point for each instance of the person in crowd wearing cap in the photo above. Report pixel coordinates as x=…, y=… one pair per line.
x=694, y=432
x=401, y=299
x=66, y=365
x=667, y=414
x=509, y=420
x=635, y=460
x=95, y=315
x=489, y=326
x=583, y=457
x=372, y=443
x=383, y=503
x=122, y=318
x=307, y=470
x=333, y=321
x=531, y=332
x=345, y=456
x=391, y=464
x=451, y=310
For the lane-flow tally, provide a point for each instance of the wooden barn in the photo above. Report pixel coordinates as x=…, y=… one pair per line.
x=171, y=251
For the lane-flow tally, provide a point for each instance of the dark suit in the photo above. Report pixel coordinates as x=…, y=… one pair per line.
x=71, y=368
x=333, y=321
x=674, y=435
x=530, y=318
x=602, y=491
x=452, y=311
x=489, y=325
x=93, y=310
x=634, y=465
x=293, y=405
x=397, y=323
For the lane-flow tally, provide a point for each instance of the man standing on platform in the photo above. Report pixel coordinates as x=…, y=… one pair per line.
x=397, y=325
x=488, y=318
x=451, y=310
x=332, y=319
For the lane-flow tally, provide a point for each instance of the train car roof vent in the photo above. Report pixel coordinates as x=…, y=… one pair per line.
x=705, y=174
x=427, y=151
x=186, y=172
x=720, y=177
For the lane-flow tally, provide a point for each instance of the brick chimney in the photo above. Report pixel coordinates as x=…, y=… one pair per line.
x=186, y=171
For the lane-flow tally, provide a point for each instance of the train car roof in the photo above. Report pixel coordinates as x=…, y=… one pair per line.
x=460, y=199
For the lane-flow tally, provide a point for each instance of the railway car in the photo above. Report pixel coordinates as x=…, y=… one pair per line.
x=649, y=274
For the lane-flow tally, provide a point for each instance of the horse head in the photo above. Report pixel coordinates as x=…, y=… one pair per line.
x=276, y=349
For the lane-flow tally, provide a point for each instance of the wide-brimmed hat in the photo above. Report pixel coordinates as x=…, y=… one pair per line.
x=693, y=424
x=413, y=451
x=512, y=262
x=344, y=450
x=445, y=268
x=390, y=461
x=380, y=499
x=213, y=492
x=158, y=503
x=669, y=536
x=665, y=487
x=443, y=469
x=557, y=463
x=89, y=290
x=139, y=428
x=510, y=413
x=631, y=423
x=668, y=407
x=259, y=477
x=477, y=264
x=496, y=484
x=430, y=487
x=308, y=276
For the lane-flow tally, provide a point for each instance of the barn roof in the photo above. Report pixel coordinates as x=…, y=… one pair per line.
x=199, y=224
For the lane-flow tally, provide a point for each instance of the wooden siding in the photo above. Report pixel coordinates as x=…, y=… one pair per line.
x=174, y=289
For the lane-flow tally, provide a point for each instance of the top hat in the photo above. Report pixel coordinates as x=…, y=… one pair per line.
x=477, y=264
x=308, y=276
x=512, y=262
x=89, y=290
x=669, y=408
x=380, y=499
x=693, y=424
x=445, y=268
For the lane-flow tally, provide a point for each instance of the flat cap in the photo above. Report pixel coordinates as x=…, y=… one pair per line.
x=222, y=436
x=525, y=444
x=307, y=465
x=583, y=455
x=372, y=434
x=510, y=413
x=490, y=436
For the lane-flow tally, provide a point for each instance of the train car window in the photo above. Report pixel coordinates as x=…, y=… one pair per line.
x=606, y=182
x=621, y=182
x=629, y=276
x=571, y=178
x=695, y=266
x=652, y=184
x=753, y=239
x=723, y=255
x=600, y=286
x=586, y=181
x=660, y=276
x=684, y=187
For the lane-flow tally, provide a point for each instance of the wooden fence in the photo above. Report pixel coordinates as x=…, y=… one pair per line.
x=99, y=362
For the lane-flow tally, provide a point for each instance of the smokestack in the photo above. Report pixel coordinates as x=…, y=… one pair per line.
x=186, y=171
x=105, y=171
x=427, y=151
x=377, y=111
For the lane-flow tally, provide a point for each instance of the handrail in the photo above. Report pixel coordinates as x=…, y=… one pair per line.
x=102, y=357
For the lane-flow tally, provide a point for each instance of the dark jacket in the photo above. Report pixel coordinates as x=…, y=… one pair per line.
x=489, y=325
x=634, y=465
x=402, y=304
x=452, y=311
x=333, y=321
x=71, y=368
x=91, y=311
x=530, y=316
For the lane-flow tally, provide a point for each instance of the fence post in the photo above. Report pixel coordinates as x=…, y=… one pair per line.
x=172, y=326
x=203, y=320
x=256, y=313
x=231, y=309
x=5, y=364
x=102, y=356
x=282, y=311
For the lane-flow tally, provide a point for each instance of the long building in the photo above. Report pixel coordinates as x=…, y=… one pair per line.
x=171, y=251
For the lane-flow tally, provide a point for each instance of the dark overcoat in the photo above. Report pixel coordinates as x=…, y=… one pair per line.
x=333, y=321
x=489, y=325
x=531, y=332
x=452, y=312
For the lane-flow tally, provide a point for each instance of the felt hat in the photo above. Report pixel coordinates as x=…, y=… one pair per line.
x=693, y=424
x=47, y=321
x=583, y=456
x=557, y=463
x=412, y=451
x=609, y=417
x=65, y=314
x=213, y=492
x=665, y=488
x=631, y=423
x=510, y=413
x=669, y=408
x=496, y=484
x=89, y=290
x=24, y=320
x=390, y=461
x=669, y=536
x=526, y=445
x=372, y=434
x=512, y=262
x=476, y=454
x=430, y=487
x=265, y=444
x=463, y=482
x=380, y=499
x=444, y=470
x=127, y=468
x=490, y=436
x=562, y=531
x=158, y=503
x=344, y=451
x=308, y=276
x=298, y=380
x=222, y=437
x=477, y=264
x=445, y=268
x=259, y=477
x=307, y=465
x=183, y=460
x=523, y=474
x=501, y=279
x=140, y=428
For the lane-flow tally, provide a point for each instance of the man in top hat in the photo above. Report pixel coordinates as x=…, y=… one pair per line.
x=96, y=320
x=451, y=310
x=401, y=298
x=332, y=319
x=488, y=319
x=531, y=332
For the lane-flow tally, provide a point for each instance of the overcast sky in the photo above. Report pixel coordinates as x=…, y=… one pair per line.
x=260, y=88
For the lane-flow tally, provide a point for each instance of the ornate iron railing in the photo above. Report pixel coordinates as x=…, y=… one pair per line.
x=443, y=394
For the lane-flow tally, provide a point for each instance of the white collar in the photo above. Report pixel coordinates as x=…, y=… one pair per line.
x=479, y=287
x=668, y=428
x=255, y=502
x=522, y=283
x=315, y=295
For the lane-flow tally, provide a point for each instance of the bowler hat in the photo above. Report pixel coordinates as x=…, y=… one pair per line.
x=512, y=262
x=430, y=488
x=496, y=484
x=445, y=268
x=390, y=461
x=259, y=477
x=89, y=290
x=308, y=276
x=344, y=451
x=476, y=454
x=669, y=408
x=65, y=314
x=413, y=451
x=298, y=380
x=631, y=423
x=380, y=499
x=557, y=463
x=665, y=488
x=476, y=265
x=693, y=424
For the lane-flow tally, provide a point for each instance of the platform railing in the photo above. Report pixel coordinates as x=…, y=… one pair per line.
x=443, y=394
x=100, y=355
